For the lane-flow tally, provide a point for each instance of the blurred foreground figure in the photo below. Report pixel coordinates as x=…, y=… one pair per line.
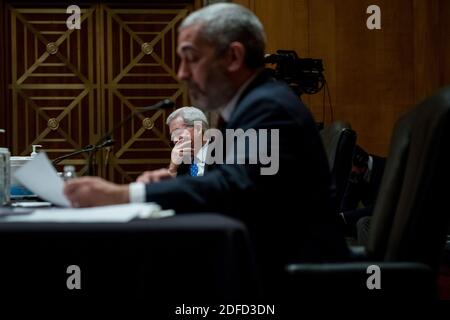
x=284, y=203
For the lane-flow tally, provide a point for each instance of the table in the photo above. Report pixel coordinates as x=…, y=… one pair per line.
x=185, y=258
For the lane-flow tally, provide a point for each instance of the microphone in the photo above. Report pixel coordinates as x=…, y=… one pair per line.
x=106, y=139
x=163, y=104
x=106, y=143
x=88, y=148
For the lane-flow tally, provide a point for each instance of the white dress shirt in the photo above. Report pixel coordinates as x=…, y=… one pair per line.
x=200, y=159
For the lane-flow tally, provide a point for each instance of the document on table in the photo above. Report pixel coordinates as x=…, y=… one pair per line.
x=40, y=177
x=114, y=213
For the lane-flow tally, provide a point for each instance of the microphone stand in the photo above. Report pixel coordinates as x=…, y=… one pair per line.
x=106, y=140
x=106, y=143
x=89, y=148
x=163, y=104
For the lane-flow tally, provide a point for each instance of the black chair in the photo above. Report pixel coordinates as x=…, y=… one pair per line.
x=339, y=141
x=410, y=220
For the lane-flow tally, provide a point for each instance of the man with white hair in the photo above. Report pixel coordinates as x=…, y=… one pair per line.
x=183, y=130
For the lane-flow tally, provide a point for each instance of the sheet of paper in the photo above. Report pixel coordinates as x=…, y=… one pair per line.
x=115, y=213
x=31, y=204
x=40, y=177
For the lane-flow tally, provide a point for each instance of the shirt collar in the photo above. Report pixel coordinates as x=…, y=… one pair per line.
x=201, y=154
x=228, y=109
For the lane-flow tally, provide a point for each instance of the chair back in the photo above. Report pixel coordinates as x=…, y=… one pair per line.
x=339, y=142
x=411, y=214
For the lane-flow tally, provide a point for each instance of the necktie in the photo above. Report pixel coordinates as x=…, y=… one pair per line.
x=193, y=170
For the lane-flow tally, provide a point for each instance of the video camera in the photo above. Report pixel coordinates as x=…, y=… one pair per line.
x=303, y=75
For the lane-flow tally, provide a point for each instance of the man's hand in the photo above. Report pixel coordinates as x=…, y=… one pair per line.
x=156, y=175
x=93, y=191
x=182, y=152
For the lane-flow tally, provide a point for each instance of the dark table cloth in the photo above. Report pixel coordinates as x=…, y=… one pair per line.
x=180, y=259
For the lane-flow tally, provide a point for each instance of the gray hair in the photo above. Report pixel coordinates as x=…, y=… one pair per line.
x=224, y=23
x=189, y=116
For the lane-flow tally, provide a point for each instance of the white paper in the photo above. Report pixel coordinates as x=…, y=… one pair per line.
x=31, y=204
x=115, y=213
x=40, y=177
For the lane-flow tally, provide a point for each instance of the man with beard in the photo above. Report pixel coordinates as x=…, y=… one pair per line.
x=288, y=214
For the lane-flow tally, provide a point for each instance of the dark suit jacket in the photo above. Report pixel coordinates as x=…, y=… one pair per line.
x=288, y=214
x=183, y=169
x=365, y=192
x=358, y=190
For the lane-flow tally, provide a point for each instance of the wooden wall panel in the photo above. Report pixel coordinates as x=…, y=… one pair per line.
x=284, y=24
x=3, y=85
x=64, y=88
x=444, y=20
x=322, y=44
x=426, y=47
x=246, y=3
x=374, y=76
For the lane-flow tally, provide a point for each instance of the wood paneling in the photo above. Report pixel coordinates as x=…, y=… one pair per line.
x=426, y=47
x=374, y=78
x=65, y=88
x=444, y=21
x=374, y=75
x=3, y=61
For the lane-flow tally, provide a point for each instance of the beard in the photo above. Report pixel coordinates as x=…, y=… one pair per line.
x=217, y=93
